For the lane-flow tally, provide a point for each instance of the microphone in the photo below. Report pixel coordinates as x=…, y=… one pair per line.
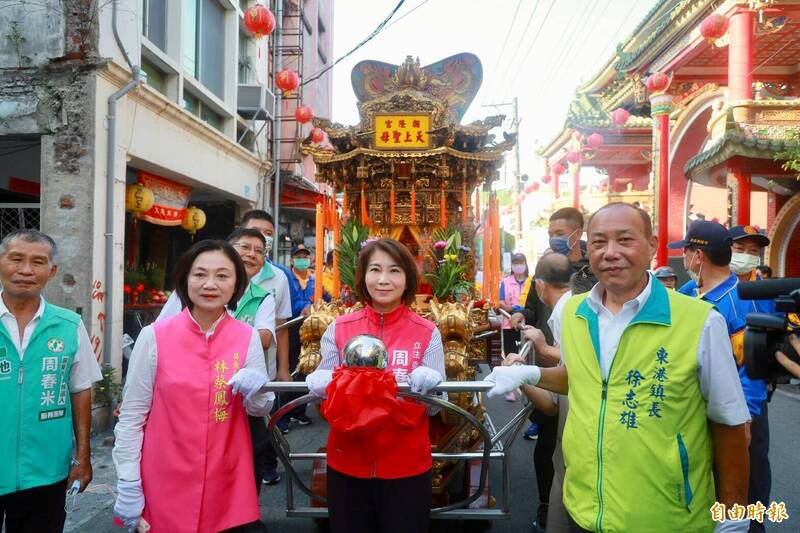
x=767, y=289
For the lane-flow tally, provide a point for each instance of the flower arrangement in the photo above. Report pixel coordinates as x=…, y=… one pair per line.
x=144, y=284
x=354, y=237
x=448, y=256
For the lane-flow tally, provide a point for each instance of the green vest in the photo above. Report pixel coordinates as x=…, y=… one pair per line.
x=637, y=447
x=247, y=307
x=36, y=426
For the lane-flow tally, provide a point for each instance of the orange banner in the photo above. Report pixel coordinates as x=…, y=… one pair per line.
x=171, y=200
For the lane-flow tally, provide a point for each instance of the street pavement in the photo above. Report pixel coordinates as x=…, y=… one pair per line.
x=93, y=513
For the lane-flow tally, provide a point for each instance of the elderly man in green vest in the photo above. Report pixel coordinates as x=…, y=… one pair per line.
x=655, y=400
x=47, y=367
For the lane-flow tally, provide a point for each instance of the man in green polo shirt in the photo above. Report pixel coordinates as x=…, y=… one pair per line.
x=654, y=396
x=47, y=367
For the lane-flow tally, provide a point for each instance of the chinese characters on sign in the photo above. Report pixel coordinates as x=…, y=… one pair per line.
x=776, y=512
x=401, y=132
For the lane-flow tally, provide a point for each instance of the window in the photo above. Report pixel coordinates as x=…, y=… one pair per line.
x=246, y=67
x=154, y=22
x=203, y=43
x=191, y=103
x=155, y=77
x=197, y=107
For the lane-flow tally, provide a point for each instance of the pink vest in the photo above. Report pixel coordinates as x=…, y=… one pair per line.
x=197, y=459
x=512, y=291
x=406, y=336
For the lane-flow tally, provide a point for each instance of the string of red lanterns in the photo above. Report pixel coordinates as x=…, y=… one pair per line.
x=259, y=21
x=303, y=114
x=287, y=81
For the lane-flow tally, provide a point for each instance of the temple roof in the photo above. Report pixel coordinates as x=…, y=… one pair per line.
x=732, y=144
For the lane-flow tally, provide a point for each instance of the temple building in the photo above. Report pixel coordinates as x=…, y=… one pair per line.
x=688, y=119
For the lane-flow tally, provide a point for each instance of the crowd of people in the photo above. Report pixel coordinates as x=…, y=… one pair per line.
x=639, y=388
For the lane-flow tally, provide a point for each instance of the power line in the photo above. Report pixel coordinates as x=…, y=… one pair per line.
x=508, y=35
x=369, y=37
x=519, y=42
x=535, y=39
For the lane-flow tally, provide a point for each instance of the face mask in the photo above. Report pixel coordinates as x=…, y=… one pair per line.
x=268, y=240
x=518, y=269
x=302, y=263
x=560, y=245
x=539, y=294
x=695, y=276
x=742, y=263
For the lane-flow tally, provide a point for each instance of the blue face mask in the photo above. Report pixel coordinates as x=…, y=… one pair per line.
x=560, y=245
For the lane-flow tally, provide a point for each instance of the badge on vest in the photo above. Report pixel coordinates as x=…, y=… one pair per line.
x=55, y=345
x=5, y=368
x=44, y=416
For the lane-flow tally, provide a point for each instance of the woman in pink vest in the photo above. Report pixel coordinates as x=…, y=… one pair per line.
x=389, y=489
x=511, y=290
x=182, y=452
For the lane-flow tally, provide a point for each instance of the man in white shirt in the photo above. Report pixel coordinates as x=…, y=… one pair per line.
x=47, y=367
x=621, y=245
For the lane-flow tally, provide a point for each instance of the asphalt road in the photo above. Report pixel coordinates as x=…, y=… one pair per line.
x=94, y=507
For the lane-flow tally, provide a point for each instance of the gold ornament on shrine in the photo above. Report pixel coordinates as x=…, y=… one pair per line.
x=362, y=172
x=193, y=220
x=138, y=199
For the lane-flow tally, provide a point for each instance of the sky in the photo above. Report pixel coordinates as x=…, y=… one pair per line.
x=537, y=50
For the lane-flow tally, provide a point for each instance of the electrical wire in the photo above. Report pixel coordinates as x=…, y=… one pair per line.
x=533, y=43
x=369, y=37
x=501, y=79
x=508, y=35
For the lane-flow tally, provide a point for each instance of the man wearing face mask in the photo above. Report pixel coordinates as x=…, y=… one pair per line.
x=511, y=289
x=747, y=246
x=565, y=229
x=707, y=258
x=301, y=288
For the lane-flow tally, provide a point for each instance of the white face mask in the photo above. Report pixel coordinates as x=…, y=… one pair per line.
x=742, y=263
x=695, y=276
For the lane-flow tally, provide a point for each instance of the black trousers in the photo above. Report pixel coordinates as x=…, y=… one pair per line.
x=373, y=505
x=574, y=527
x=294, y=358
x=36, y=510
x=260, y=440
x=543, y=453
x=760, y=472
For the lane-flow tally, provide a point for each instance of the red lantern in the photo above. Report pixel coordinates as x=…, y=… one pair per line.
x=595, y=141
x=287, y=80
x=317, y=135
x=714, y=27
x=534, y=186
x=259, y=21
x=658, y=82
x=546, y=179
x=529, y=188
x=574, y=157
x=519, y=199
x=558, y=169
x=127, y=289
x=303, y=114
x=620, y=116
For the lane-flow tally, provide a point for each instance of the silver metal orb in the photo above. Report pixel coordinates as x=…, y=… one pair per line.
x=365, y=350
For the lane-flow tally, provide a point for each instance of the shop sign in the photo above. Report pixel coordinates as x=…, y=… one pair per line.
x=402, y=132
x=171, y=200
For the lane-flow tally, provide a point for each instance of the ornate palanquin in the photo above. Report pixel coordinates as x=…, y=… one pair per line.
x=406, y=169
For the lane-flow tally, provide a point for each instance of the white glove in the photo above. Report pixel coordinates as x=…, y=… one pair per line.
x=422, y=379
x=247, y=382
x=508, y=378
x=318, y=382
x=130, y=503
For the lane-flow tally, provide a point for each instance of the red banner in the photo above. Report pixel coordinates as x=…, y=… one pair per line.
x=171, y=200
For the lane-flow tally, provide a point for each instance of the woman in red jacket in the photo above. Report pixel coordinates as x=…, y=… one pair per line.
x=388, y=489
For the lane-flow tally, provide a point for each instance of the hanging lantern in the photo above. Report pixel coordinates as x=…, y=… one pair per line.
x=138, y=199
x=259, y=21
x=574, y=157
x=714, y=27
x=546, y=179
x=317, y=135
x=303, y=114
x=534, y=186
x=658, y=82
x=529, y=188
x=558, y=169
x=193, y=220
x=595, y=141
x=620, y=116
x=287, y=81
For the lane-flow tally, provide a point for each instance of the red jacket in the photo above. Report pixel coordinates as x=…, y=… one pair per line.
x=406, y=336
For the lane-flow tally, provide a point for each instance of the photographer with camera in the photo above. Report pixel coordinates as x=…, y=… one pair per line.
x=707, y=254
x=790, y=366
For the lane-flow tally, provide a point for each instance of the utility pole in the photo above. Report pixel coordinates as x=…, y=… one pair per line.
x=517, y=185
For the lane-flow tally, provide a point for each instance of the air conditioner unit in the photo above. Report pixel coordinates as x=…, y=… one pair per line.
x=254, y=101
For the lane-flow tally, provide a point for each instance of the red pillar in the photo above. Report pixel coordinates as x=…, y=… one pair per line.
x=556, y=180
x=740, y=55
x=660, y=107
x=742, y=195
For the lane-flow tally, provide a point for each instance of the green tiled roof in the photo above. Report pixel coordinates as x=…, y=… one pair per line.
x=626, y=59
x=734, y=144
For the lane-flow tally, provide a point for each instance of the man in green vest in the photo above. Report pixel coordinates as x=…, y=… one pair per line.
x=47, y=367
x=655, y=400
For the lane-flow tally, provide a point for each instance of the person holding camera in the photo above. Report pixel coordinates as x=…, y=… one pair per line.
x=790, y=366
